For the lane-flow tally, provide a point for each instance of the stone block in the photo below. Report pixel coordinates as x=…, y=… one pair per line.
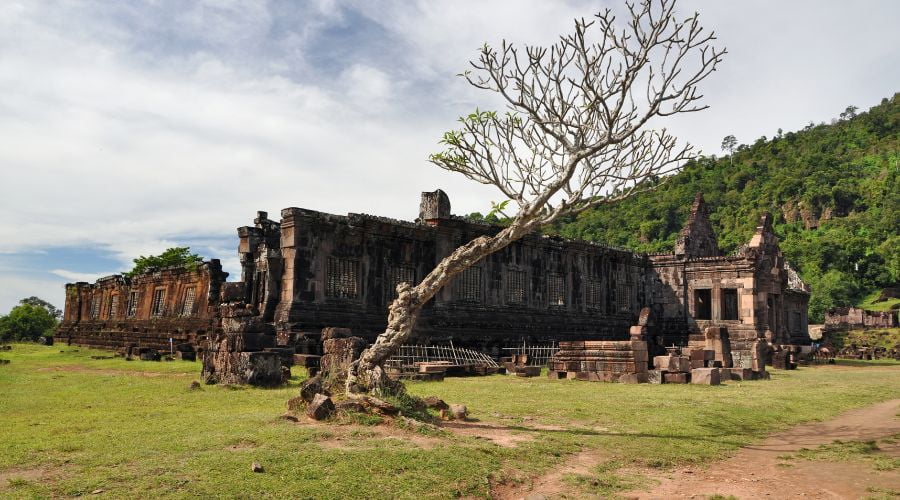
x=741, y=374
x=254, y=368
x=780, y=360
x=433, y=367
x=655, y=376
x=638, y=332
x=245, y=324
x=705, y=376
x=718, y=341
x=286, y=354
x=306, y=360
x=243, y=342
x=339, y=353
x=312, y=386
x=458, y=412
x=184, y=347
x=676, y=378
x=672, y=364
x=435, y=403
x=320, y=408
x=186, y=355
x=528, y=371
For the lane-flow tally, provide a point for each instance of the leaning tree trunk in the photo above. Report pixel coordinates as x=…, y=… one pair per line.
x=367, y=373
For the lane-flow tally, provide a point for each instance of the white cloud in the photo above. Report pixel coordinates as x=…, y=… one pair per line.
x=73, y=276
x=15, y=288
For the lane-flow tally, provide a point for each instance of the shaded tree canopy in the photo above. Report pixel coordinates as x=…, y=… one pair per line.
x=36, y=301
x=27, y=322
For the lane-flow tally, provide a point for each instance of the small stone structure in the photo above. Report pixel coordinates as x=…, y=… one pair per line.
x=604, y=361
x=243, y=352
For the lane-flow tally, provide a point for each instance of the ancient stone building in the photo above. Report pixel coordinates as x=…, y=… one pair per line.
x=146, y=310
x=312, y=270
x=753, y=292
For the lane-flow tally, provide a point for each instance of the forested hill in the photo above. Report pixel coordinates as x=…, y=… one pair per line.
x=834, y=191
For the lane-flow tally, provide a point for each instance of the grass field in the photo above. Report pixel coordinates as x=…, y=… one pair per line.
x=71, y=425
x=869, y=302
x=889, y=338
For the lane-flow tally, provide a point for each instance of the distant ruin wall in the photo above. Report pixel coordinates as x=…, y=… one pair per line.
x=854, y=317
x=148, y=310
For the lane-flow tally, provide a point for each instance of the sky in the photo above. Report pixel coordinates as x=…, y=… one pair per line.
x=130, y=127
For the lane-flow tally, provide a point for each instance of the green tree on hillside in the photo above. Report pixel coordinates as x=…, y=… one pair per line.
x=834, y=191
x=729, y=143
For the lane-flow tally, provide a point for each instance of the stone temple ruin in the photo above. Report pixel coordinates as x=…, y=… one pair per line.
x=313, y=270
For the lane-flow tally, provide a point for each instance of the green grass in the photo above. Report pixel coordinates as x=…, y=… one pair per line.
x=868, y=302
x=850, y=451
x=888, y=338
x=882, y=493
x=70, y=425
x=606, y=481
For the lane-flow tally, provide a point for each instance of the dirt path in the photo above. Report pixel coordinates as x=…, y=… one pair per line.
x=754, y=471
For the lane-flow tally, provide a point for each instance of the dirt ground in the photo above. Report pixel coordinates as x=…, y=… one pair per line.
x=757, y=471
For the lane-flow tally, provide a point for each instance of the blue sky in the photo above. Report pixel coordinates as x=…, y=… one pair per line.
x=128, y=127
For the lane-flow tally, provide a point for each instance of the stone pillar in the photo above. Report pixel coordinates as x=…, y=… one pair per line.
x=434, y=205
x=238, y=355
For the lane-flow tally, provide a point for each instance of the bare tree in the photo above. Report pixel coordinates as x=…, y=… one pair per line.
x=576, y=134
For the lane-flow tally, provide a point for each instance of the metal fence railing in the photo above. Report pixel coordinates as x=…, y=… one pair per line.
x=538, y=355
x=408, y=355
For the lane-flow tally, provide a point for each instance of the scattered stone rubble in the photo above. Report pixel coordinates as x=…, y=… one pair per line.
x=709, y=363
x=517, y=365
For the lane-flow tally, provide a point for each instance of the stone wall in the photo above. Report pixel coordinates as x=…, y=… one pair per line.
x=854, y=317
x=342, y=271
